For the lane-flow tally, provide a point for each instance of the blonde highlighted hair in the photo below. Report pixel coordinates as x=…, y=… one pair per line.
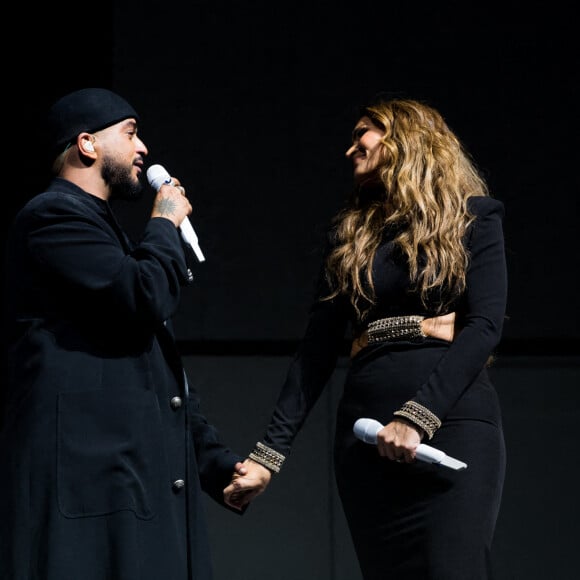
x=425, y=177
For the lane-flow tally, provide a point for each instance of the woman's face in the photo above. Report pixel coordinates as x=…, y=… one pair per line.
x=365, y=148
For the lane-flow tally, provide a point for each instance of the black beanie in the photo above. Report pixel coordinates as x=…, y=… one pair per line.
x=84, y=110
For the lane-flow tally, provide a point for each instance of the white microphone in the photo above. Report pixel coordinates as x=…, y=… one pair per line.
x=367, y=429
x=157, y=176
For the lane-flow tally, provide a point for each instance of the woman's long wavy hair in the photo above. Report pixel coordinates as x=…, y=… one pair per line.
x=425, y=178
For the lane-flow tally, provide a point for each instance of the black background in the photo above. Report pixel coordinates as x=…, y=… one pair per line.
x=251, y=105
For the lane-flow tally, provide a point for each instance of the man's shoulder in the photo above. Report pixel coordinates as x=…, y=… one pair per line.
x=60, y=196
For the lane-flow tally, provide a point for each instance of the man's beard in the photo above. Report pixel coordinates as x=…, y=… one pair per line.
x=121, y=181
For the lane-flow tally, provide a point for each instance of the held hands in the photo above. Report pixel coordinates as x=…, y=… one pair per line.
x=250, y=479
x=171, y=203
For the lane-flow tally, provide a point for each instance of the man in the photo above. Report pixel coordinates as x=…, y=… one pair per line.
x=104, y=451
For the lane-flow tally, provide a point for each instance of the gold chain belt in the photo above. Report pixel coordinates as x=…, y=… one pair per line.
x=395, y=328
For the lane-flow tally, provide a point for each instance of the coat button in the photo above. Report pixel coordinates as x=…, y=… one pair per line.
x=189, y=275
x=175, y=403
x=178, y=485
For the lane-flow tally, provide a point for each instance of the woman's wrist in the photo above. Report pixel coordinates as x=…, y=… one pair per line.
x=268, y=457
x=420, y=416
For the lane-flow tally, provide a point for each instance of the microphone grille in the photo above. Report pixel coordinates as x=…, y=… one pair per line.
x=157, y=175
x=366, y=429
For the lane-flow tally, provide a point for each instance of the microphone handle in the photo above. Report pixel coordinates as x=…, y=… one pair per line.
x=366, y=430
x=157, y=176
x=189, y=235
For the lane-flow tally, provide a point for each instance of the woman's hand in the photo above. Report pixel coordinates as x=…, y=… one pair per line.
x=398, y=440
x=249, y=480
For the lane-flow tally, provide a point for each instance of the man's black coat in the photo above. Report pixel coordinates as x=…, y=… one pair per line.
x=104, y=451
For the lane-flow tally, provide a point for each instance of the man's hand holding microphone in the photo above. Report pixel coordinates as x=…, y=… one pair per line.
x=171, y=203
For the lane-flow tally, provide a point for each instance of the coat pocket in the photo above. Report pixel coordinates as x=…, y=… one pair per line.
x=110, y=453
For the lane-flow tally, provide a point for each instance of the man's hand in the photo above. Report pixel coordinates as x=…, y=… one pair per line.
x=248, y=481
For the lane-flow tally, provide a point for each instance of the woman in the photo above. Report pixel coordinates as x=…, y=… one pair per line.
x=420, y=238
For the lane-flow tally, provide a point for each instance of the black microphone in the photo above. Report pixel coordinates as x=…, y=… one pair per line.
x=367, y=429
x=157, y=175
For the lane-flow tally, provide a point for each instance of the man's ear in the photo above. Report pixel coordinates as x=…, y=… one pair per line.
x=85, y=142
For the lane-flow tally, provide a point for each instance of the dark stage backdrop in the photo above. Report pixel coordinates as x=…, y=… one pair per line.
x=251, y=105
